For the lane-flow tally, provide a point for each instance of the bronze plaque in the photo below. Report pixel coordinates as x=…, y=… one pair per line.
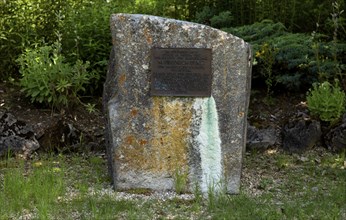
x=181, y=72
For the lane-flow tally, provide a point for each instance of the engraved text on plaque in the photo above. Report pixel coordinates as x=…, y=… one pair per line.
x=181, y=72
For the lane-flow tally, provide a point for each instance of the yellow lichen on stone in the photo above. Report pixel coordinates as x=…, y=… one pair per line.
x=171, y=119
x=167, y=149
x=147, y=35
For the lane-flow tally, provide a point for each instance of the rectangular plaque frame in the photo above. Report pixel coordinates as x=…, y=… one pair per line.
x=181, y=72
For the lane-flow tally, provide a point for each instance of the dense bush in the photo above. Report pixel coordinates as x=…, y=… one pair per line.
x=24, y=23
x=300, y=59
x=86, y=36
x=82, y=27
x=48, y=79
x=259, y=32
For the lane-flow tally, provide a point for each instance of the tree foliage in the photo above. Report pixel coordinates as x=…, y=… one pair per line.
x=81, y=26
x=296, y=15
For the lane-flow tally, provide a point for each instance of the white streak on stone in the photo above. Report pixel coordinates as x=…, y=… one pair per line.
x=209, y=142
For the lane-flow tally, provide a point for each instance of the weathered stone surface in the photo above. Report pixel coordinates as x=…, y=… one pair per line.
x=16, y=136
x=151, y=138
x=300, y=135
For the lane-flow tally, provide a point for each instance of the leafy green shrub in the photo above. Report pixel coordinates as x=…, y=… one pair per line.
x=86, y=36
x=326, y=101
x=83, y=25
x=24, y=23
x=48, y=79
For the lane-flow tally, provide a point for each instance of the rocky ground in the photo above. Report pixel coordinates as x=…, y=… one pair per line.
x=284, y=122
x=78, y=129
x=280, y=122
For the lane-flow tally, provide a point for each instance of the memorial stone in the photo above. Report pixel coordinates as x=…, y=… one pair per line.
x=176, y=99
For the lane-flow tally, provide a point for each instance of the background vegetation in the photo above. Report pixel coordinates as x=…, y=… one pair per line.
x=295, y=43
x=301, y=41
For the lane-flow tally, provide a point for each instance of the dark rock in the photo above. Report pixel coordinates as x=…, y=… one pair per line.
x=335, y=139
x=16, y=136
x=300, y=135
x=59, y=136
x=261, y=139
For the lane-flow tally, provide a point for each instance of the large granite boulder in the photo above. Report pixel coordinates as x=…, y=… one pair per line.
x=152, y=138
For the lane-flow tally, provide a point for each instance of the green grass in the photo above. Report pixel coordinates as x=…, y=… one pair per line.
x=180, y=181
x=24, y=189
x=275, y=186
